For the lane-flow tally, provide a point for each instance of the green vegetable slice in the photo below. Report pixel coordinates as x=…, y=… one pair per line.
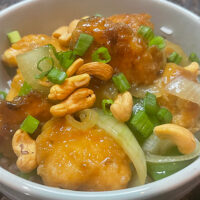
x=174, y=58
x=121, y=82
x=141, y=122
x=25, y=89
x=30, y=124
x=164, y=115
x=83, y=44
x=101, y=55
x=3, y=95
x=158, y=41
x=105, y=103
x=159, y=171
x=14, y=36
x=150, y=104
x=122, y=134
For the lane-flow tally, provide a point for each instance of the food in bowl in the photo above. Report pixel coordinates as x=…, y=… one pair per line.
x=102, y=104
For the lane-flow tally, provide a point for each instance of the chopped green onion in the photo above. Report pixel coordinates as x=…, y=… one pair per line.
x=25, y=89
x=3, y=95
x=164, y=115
x=194, y=58
x=30, y=124
x=154, y=120
x=146, y=32
x=46, y=58
x=158, y=41
x=66, y=58
x=51, y=47
x=141, y=122
x=42, y=75
x=14, y=36
x=1, y=155
x=150, y=104
x=121, y=82
x=98, y=15
x=101, y=55
x=105, y=103
x=174, y=58
x=83, y=44
x=56, y=76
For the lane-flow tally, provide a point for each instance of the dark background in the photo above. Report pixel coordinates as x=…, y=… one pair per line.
x=194, y=6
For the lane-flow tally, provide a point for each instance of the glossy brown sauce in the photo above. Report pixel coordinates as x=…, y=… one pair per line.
x=13, y=113
x=130, y=53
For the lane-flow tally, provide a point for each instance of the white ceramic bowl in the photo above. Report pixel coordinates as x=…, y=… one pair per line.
x=43, y=16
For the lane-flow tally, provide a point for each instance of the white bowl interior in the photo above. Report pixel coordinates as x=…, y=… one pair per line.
x=44, y=16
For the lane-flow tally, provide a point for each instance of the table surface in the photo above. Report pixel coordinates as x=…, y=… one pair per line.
x=193, y=5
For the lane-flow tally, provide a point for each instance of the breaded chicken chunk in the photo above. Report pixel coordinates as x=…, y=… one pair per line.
x=185, y=113
x=129, y=52
x=80, y=160
x=28, y=43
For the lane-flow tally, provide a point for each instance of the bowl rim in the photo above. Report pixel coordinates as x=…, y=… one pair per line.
x=151, y=189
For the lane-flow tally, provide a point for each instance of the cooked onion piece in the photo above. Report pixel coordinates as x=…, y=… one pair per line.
x=88, y=119
x=166, y=159
x=121, y=133
x=184, y=89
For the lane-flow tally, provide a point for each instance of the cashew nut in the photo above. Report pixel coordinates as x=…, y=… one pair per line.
x=81, y=99
x=60, y=92
x=65, y=38
x=99, y=70
x=193, y=67
x=122, y=107
x=73, y=25
x=25, y=149
x=180, y=136
x=60, y=31
x=74, y=67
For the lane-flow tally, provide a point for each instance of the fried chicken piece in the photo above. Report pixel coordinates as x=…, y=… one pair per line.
x=185, y=113
x=28, y=43
x=80, y=160
x=12, y=114
x=130, y=53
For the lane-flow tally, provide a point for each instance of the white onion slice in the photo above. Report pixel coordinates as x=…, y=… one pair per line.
x=124, y=137
x=184, y=89
x=154, y=145
x=140, y=91
x=166, y=159
x=88, y=119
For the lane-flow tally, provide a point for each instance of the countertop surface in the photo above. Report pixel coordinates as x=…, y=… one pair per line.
x=194, y=6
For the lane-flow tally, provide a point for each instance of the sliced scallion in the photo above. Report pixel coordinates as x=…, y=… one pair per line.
x=101, y=55
x=105, y=103
x=174, y=58
x=14, y=36
x=66, y=58
x=141, y=122
x=30, y=124
x=56, y=76
x=25, y=89
x=83, y=44
x=146, y=32
x=150, y=104
x=3, y=95
x=47, y=59
x=98, y=15
x=194, y=58
x=157, y=41
x=121, y=82
x=164, y=115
